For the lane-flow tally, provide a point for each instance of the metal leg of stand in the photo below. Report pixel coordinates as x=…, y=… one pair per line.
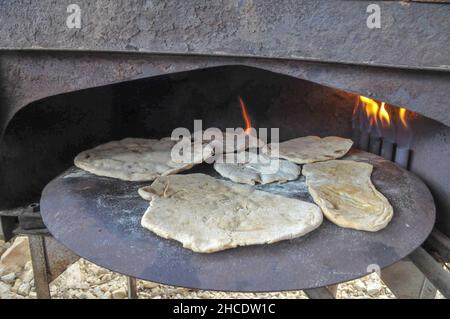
x=333, y=289
x=432, y=270
x=319, y=293
x=132, y=288
x=406, y=281
x=40, y=266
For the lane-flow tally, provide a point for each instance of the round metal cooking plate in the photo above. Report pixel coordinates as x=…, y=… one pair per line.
x=98, y=218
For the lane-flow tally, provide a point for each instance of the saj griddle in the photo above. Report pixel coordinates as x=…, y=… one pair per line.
x=98, y=218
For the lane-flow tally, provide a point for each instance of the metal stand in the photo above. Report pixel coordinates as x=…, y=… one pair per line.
x=40, y=266
x=44, y=265
x=432, y=269
x=406, y=281
x=319, y=293
x=49, y=259
x=439, y=244
x=407, y=278
x=132, y=288
x=333, y=290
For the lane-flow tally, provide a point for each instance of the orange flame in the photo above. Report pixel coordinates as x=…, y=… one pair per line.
x=389, y=121
x=402, y=114
x=372, y=109
x=384, y=115
x=248, y=123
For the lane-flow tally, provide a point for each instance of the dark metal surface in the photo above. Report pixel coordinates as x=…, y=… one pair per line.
x=406, y=281
x=31, y=218
x=24, y=220
x=99, y=219
x=413, y=35
x=319, y=293
x=58, y=257
x=433, y=270
x=440, y=244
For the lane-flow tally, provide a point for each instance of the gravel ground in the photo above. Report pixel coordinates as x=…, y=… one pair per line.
x=86, y=280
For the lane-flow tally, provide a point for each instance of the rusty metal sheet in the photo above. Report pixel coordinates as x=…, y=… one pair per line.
x=98, y=218
x=411, y=35
x=424, y=92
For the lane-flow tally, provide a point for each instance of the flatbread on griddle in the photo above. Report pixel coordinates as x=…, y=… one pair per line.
x=256, y=168
x=136, y=159
x=346, y=195
x=312, y=149
x=207, y=215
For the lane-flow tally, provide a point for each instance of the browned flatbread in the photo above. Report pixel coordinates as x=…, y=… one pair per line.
x=344, y=191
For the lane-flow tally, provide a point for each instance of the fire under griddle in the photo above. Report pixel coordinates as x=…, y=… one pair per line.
x=98, y=218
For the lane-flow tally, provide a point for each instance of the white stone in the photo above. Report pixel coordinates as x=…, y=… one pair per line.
x=16, y=285
x=373, y=288
x=144, y=295
x=27, y=276
x=98, y=291
x=105, y=278
x=4, y=289
x=16, y=256
x=9, y=278
x=81, y=295
x=104, y=288
x=101, y=271
x=89, y=295
x=149, y=284
x=369, y=286
x=359, y=286
x=24, y=289
x=119, y=293
x=73, y=278
x=107, y=295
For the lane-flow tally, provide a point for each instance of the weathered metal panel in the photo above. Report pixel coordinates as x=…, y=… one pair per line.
x=433, y=270
x=406, y=281
x=29, y=76
x=412, y=35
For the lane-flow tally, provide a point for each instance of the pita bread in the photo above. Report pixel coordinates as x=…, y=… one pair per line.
x=229, y=141
x=344, y=191
x=256, y=168
x=207, y=215
x=312, y=149
x=135, y=159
